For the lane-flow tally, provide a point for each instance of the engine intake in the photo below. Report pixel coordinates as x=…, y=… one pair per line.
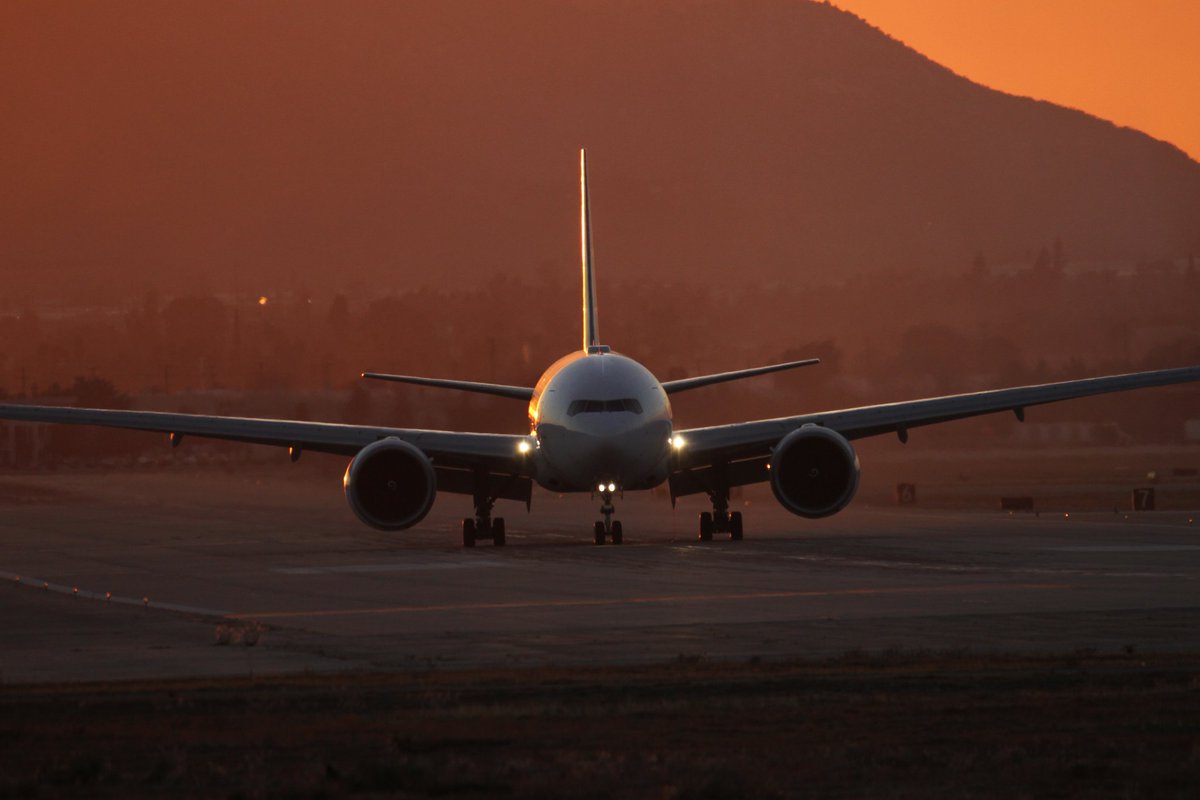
x=814, y=472
x=390, y=484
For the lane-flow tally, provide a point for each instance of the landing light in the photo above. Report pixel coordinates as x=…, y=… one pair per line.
x=612, y=487
x=600, y=487
x=523, y=447
x=677, y=442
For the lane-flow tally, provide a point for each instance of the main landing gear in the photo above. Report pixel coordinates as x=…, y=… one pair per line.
x=483, y=526
x=609, y=528
x=721, y=520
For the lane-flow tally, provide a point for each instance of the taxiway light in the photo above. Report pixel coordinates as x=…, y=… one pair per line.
x=262, y=301
x=523, y=447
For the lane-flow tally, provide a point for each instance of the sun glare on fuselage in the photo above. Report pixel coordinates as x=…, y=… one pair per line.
x=600, y=418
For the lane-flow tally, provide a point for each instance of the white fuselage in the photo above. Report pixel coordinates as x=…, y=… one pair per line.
x=600, y=418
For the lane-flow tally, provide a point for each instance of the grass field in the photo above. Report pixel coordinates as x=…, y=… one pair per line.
x=892, y=725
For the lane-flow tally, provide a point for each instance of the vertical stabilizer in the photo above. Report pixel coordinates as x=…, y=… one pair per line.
x=591, y=336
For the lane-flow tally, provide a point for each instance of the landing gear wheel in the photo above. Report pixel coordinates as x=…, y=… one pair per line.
x=498, y=532
x=617, y=534
x=598, y=532
x=735, y=526
x=706, y=527
x=468, y=532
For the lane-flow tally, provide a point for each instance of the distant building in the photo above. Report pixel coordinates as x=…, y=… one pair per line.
x=22, y=443
x=1069, y=433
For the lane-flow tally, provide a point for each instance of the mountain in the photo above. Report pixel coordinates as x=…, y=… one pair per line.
x=377, y=146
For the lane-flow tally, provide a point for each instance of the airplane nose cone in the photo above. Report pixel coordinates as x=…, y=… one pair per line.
x=629, y=457
x=599, y=456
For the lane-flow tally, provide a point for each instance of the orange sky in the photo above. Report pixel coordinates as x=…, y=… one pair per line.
x=1135, y=62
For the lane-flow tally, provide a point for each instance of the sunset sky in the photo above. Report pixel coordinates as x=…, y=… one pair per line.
x=312, y=146
x=1135, y=62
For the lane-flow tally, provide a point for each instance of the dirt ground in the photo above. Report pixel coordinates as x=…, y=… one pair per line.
x=891, y=725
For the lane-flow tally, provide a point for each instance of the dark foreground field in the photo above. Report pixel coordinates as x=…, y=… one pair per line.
x=892, y=725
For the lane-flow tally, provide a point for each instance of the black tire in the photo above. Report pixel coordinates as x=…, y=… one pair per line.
x=706, y=527
x=498, y=532
x=468, y=533
x=735, y=526
x=598, y=532
x=617, y=533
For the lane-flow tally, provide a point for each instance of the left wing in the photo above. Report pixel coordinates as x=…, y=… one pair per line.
x=746, y=440
x=493, y=452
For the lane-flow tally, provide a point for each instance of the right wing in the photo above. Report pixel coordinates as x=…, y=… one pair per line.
x=492, y=452
x=747, y=440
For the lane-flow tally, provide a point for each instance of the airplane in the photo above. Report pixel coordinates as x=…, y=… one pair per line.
x=600, y=422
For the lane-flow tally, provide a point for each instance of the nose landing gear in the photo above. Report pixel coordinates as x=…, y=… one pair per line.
x=609, y=528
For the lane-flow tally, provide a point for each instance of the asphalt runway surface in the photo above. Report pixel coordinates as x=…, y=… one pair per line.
x=207, y=573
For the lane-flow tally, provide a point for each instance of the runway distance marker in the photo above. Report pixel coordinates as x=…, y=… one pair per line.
x=660, y=599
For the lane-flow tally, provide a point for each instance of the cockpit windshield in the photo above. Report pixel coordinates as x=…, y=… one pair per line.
x=603, y=406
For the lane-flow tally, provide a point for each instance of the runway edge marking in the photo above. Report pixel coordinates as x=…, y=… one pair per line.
x=663, y=599
x=29, y=582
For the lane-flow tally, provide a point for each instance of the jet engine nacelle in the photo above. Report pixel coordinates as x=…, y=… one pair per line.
x=390, y=484
x=814, y=472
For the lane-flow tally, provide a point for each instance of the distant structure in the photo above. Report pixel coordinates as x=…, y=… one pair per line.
x=22, y=443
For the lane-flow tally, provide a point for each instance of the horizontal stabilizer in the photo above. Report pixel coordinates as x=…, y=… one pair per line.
x=683, y=384
x=498, y=389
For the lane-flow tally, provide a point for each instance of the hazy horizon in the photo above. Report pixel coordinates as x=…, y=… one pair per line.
x=219, y=147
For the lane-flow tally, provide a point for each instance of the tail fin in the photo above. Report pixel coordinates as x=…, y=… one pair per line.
x=591, y=335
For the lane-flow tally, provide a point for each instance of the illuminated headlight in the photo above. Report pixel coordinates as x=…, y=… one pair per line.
x=677, y=442
x=600, y=487
x=612, y=487
x=523, y=447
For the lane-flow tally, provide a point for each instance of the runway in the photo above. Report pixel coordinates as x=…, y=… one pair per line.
x=150, y=575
